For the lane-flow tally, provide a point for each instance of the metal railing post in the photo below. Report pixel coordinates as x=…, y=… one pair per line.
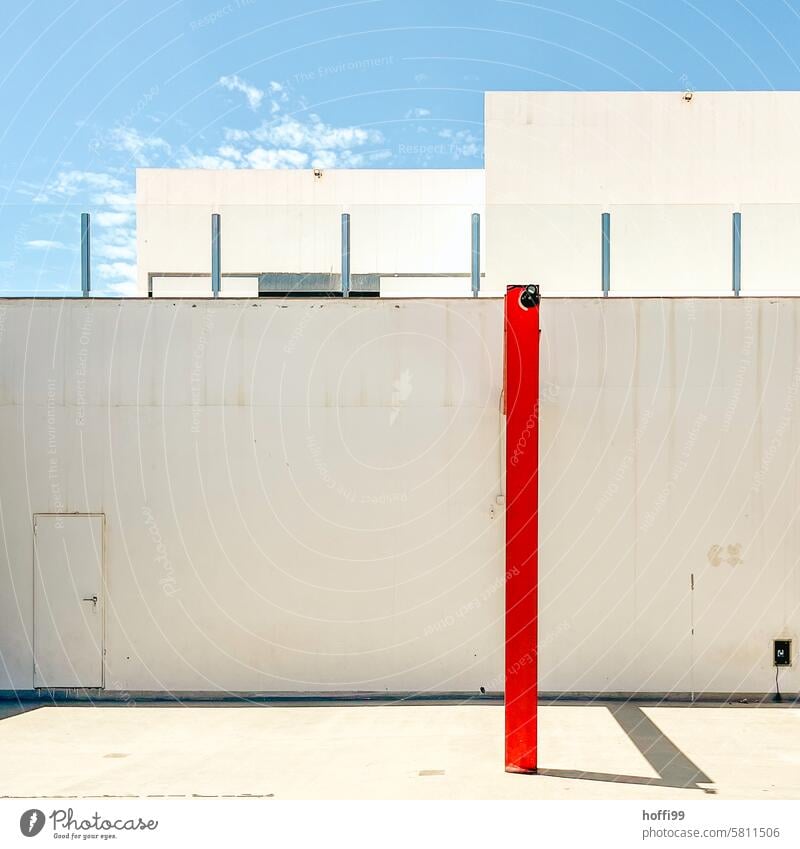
x=476, y=254
x=737, y=253
x=86, y=255
x=606, y=252
x=345, y=255
x=215, y=255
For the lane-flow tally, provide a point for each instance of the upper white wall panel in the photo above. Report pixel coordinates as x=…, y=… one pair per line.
x=642, y=147
x=291, y=187
x=402, y=222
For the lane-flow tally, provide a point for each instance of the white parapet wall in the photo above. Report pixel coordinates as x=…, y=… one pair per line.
x=305, y=495
x=670, y=169
x=415, y=224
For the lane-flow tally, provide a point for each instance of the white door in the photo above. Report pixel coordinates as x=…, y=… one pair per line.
x=68, y=601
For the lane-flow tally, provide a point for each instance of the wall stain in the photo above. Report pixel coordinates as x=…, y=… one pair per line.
x=730, y=554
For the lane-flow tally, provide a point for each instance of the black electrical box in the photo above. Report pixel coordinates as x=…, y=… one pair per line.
x=782, y=653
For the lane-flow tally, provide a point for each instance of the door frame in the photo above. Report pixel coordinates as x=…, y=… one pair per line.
x=103, y=588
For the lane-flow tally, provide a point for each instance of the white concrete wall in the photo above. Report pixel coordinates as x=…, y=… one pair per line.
x=322, y=476
x=675, y=249
x=670, y=172
x=670, y=434
x=771, y=248
x=302, y=495
x=402, y=222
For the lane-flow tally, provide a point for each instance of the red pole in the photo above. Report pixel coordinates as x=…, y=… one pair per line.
x=522, y=524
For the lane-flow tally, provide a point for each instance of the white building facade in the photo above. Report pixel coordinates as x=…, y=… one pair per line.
x=306, y=495
x=263, y=495
x=669, y=170
x=411, y=230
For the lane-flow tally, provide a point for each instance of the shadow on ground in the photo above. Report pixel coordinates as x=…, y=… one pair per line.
x=674, y=768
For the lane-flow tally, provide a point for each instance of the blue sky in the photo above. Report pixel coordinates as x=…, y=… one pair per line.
x=91, y=89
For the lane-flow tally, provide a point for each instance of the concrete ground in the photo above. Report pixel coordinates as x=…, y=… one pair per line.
x=408, y=751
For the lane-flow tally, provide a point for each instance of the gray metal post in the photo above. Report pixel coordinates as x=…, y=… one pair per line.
x=345, y=255
x=476, y=254
x=86, y=255
x=215, y=256
x=737, y=253
x=606, y=253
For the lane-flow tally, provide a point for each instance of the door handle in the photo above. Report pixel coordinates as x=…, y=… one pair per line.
x=92, y=599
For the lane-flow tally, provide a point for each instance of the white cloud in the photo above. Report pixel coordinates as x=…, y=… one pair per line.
x=125, y=270
x=117, y=200
x=289, y=142
x=260, y=157
x=118, y=277
x=254, y=95
x=418, y=112
x=206, y=160
x=279, y=96
x=116, y=252
x=45, y=245
x=326, y=159
x=229, y=152
x=124, y=288
x=115, y=243
x=346, y=158
x=68, y=184
x=464, y=144
x=313, y=134
x=112, y=204
x=112, y=219
x=233, y=135
x=140, y=148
